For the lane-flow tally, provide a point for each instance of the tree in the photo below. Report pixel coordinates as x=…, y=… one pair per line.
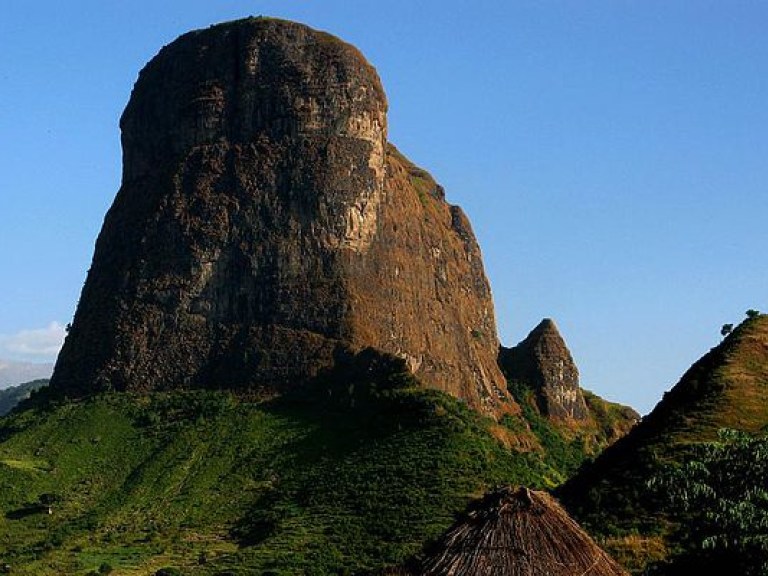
x=752, y=313
x=726, y=329
x=721, y=494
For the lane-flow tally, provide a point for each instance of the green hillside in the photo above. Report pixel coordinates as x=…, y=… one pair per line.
x=568, y=443
x=726, y=389
x=345, y=478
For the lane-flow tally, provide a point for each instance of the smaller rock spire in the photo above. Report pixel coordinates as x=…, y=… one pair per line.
x=543, y=362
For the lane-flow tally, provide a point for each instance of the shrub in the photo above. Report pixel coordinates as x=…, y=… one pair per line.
x=169, y=571
x=721, y=490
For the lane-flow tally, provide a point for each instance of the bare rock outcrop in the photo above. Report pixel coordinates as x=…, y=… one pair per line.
x=543, y=362
x=264, y=224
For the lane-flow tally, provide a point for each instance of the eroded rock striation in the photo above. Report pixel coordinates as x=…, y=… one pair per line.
x=264, y=224
x=543, y=362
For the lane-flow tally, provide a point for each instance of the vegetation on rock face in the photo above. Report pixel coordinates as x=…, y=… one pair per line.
x=565, y=452
x=610, y=420
x=347, y=476
x=566, y=444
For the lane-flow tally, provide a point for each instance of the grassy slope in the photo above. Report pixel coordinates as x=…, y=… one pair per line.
x=609, y=421
x=568, y=443
x=727, y=388
x=347, y=479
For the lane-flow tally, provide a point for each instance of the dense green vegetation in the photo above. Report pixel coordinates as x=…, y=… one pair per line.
x=721, y=491
x=611, y=421
x=563, y=452
x=568, y=444
x=345, y=477
x=363, y=468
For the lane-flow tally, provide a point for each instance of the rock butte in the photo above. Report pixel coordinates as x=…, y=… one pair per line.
x=264, y=225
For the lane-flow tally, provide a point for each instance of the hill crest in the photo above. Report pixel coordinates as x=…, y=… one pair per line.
x=725, y=388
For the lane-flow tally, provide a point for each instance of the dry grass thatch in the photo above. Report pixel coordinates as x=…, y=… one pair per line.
x=517, y=533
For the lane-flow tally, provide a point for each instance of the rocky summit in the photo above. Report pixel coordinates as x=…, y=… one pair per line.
x=544, y=362
x=265, y=227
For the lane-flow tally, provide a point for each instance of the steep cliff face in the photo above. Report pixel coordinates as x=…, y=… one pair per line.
x=264, y=224
x=544, y=362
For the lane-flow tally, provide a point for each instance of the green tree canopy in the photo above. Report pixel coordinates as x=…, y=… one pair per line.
x=721, y=492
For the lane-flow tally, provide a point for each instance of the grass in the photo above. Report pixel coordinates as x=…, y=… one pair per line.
x=634, y=552
x=423, y=183
x=426, y=188
x=27, y=464
x=345, y=477
x=566, y=445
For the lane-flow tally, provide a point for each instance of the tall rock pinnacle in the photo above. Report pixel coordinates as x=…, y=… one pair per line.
x=264, y=224
x=544, y=362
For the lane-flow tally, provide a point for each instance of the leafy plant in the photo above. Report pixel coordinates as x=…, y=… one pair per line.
x=723, y=493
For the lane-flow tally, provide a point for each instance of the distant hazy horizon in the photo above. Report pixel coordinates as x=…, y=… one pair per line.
x=14, y=373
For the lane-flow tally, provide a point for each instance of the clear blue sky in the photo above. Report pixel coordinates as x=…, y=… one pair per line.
x=612, y=156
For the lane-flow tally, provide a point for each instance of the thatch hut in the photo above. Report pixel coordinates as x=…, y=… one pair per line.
x=517, y=532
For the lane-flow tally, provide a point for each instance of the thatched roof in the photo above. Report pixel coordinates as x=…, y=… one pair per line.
x=517, y=533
